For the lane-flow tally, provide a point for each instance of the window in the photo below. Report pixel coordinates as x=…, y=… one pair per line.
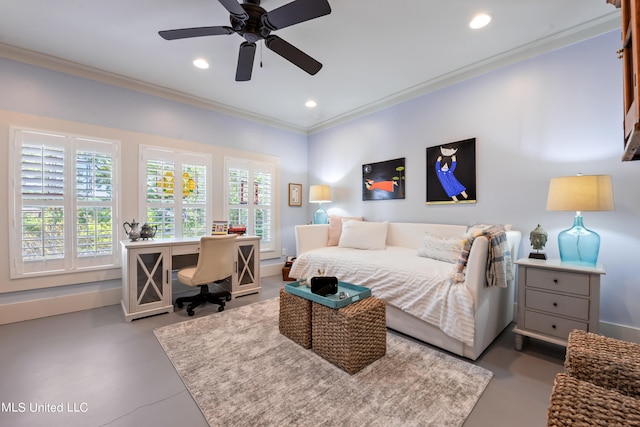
x=176, y=192
x=64, y=203
x=250, y=198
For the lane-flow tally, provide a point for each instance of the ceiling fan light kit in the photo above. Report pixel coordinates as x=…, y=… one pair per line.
x=253, y=23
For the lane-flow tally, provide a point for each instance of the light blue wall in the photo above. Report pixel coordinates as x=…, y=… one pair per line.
x=37, y=91
x=554, y=115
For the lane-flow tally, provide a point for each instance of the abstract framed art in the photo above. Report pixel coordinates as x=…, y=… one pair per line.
x=451, y=173
x=383, y=180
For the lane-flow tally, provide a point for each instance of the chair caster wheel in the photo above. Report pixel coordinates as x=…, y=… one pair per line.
x=190, y=312
x=228, y=298
x=221, y=308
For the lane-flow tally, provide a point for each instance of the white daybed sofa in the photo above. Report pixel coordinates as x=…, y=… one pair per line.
x=492, y=307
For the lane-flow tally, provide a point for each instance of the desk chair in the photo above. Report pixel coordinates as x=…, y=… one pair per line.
x=215, y=264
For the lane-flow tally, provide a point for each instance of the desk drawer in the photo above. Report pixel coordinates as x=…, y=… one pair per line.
x=192, y=248
x=563, y=305
x=551, y=325
x=559, y=281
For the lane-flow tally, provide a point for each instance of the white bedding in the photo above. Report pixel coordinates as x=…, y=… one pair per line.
x=419, y=286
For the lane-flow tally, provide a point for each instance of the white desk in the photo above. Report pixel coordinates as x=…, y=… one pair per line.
x=147, y=267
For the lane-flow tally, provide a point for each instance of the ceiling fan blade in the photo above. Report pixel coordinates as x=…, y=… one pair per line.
x=293, y=54
x=185, y=33
x=235, y=9
x=245, y=61
x=295, y=12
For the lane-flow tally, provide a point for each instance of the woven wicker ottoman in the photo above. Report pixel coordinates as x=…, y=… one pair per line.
x=604, y=361
x=580, y=403
x=351, y=337
x=295, y=318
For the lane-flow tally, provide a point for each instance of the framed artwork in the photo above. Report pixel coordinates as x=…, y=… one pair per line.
x=295, y=194
x=219, y=227
x=383, y=180
x=451, y=173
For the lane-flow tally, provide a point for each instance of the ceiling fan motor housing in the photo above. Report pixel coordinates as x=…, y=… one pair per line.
x=253, y=23
x=254, y=28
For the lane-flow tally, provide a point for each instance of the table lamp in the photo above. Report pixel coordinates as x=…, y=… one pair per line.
x=579, y=245
x=320, y=194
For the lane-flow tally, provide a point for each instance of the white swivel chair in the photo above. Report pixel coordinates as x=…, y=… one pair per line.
x=215, y=264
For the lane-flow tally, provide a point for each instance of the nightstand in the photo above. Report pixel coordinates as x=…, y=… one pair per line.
x=554, y=298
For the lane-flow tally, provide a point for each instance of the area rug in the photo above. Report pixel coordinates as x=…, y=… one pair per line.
x=242, y=372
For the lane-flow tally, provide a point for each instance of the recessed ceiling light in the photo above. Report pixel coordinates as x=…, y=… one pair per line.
x=311, y=103
x=480, y=20
x=201, y=63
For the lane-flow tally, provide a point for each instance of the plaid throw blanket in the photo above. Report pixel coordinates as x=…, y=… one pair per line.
x=499, y=262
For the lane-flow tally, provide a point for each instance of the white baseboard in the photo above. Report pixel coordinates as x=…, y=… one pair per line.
x=45, y=307
x=621, y=332
x=271, y=269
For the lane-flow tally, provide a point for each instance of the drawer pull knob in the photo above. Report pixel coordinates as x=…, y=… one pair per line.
x=555, y=280
x=555, y=304
x=553, y=326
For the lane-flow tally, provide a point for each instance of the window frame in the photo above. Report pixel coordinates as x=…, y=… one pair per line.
x=271, y=249
x=179, y=159
x=72, y=262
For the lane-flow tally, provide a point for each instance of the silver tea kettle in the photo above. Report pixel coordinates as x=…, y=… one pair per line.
x=133, y=232
x=148, y=231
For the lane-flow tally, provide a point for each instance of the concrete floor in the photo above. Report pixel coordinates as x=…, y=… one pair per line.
x=99, y=370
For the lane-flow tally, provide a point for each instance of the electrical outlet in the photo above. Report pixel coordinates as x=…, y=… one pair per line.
x=284, y=252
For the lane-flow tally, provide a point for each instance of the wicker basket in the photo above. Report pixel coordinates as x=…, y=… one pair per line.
x=295, y=318
x=581, y=403
x=603, y=361
x=351, y=337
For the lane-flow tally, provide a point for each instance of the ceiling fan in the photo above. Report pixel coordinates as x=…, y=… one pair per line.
x=254, y=24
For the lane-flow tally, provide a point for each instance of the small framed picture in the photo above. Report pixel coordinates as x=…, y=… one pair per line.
x=219, y=227
x=295, y=194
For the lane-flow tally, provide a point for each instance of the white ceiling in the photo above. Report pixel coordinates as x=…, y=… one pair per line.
x=375, y=52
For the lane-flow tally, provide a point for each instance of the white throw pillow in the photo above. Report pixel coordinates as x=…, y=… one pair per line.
x=440, y=248
x=363, y=235
x=335, y=227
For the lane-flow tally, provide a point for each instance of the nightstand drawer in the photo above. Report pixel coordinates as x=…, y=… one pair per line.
x=551, y=325
x=563, y=305
x=560, y=281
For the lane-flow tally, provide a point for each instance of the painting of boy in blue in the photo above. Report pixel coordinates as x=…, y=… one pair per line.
x=446, y=175
x=451, y=173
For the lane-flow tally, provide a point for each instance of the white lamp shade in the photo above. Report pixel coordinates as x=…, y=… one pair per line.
x=319, y=194
x=580, y=193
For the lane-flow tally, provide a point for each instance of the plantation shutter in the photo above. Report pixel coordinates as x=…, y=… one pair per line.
x=41, y=202
x=63, y=205
x=177, y=190
x=96, y=203
x=250, y=201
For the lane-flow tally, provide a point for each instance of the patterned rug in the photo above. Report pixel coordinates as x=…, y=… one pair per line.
x=242, y=372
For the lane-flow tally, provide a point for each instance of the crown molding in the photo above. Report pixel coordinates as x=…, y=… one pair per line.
x=596, y=27
x=555, y=41
x=79, y=70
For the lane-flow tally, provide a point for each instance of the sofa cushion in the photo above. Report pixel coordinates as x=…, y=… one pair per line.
x=335, y=227
x=363, y=235
x=440, y=248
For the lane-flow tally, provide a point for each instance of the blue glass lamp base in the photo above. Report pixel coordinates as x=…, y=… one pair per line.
x=320, y=216
x=579, y=245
